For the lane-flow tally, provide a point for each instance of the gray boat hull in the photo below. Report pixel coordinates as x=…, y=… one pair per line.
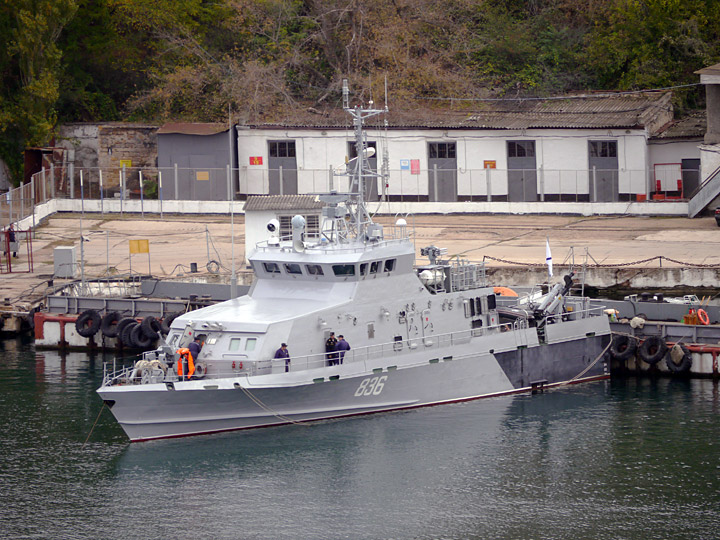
x=156, y=411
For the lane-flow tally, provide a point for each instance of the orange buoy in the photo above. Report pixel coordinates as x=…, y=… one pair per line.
x=703, y=316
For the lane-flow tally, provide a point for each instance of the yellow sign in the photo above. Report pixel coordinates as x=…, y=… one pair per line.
x=202, y=175
x=489, y=164
x=139, y=246
x=125, y=163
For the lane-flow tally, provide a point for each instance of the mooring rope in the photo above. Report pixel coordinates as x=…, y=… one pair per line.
x=260, y=404
x=93, y=426
x=584, y=371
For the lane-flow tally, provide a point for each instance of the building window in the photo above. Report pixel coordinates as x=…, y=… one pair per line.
x=603, y=149
x=521, y=149
x=282, y=148
x=441, y=150
x=312, y=226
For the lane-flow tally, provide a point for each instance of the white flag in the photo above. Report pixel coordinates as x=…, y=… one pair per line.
x=548, y=256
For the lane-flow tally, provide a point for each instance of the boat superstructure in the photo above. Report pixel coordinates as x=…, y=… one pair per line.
x=419, y=335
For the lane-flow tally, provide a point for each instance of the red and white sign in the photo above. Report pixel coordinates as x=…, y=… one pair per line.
x=414, y=166
x=255, y=160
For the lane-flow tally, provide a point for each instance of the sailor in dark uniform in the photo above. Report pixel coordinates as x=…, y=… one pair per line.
x=330, y=353
x=283, y=352
x=342, y=347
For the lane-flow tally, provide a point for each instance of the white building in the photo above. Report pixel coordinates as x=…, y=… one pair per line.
x=581, y=149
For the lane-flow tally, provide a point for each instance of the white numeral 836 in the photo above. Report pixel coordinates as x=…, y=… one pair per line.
x=371, y=386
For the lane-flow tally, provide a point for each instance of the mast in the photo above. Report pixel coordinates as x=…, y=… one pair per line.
x=361, y=168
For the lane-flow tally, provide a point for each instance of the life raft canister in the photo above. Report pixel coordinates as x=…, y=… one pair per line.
x=187, y=357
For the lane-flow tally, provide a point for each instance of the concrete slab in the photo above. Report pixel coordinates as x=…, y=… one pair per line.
x=178, y=240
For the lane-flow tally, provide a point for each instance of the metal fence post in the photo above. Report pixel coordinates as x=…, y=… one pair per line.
x=280, y=175
x=82, y=195
x=542, y=184
x=177, y=193
x=102, y=208
x=488, y=184
x=594, y=179
x=52, y=180
x=71, y=173
x=44, y=185
x=142, y=196
x=330, y=178
x=32, y=200
x=435, y=184
x=229, y=183
x=160, y=191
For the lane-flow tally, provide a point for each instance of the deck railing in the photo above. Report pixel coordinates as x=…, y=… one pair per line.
x=365, y=357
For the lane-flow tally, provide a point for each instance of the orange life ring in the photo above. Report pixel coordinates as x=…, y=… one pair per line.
x=703, y=316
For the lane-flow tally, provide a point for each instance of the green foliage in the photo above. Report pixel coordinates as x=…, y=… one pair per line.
x=99, y=60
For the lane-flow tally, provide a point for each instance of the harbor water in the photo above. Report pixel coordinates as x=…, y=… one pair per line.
x=621, y=459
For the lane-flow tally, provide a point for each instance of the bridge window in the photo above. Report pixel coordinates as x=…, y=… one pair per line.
x=344, y=269
x=250, y=344
x=390, y=265
x=363, y=269
x=314, y=269
x=374, y=267
x=271, y=268
x=293, y=268
x=235, y=344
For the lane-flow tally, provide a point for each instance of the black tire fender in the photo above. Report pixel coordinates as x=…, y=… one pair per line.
x=151, y=327
x=109, y=325
x=652, y=349
x=167, y=321
x=623, y=347
x=88, y=323
x=121, y=327
x=138, y=338
x=684, y=365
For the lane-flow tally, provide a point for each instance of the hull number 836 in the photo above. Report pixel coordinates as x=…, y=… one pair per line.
x=372, y=386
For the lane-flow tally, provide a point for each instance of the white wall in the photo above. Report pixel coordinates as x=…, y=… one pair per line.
x=562, y=154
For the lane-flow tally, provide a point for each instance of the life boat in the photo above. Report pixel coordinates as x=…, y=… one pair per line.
x=504, y=291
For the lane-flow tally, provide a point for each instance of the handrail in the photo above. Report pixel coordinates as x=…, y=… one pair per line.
x=704, y=183
x=364, y=355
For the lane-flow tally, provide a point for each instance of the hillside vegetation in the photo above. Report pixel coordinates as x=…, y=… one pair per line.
x=200, y=60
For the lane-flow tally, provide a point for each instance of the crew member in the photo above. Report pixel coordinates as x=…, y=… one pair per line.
x=342, y=347
x=330, y=353
x=283, y=352
x=195, y=347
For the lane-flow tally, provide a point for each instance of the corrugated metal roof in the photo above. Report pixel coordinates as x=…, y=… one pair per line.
x=192, y=128
x=282, y=202
x=650, y=110
x=692, y=126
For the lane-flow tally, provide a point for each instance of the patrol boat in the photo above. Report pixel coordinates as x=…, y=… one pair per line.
x=419, y=335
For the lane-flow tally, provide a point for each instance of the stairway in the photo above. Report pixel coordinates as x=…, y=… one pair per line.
x=704, y=194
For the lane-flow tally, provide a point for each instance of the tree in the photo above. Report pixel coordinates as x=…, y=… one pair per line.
x=30, y=76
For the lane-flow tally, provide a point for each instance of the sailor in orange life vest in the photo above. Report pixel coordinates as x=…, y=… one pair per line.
x=186, y=362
